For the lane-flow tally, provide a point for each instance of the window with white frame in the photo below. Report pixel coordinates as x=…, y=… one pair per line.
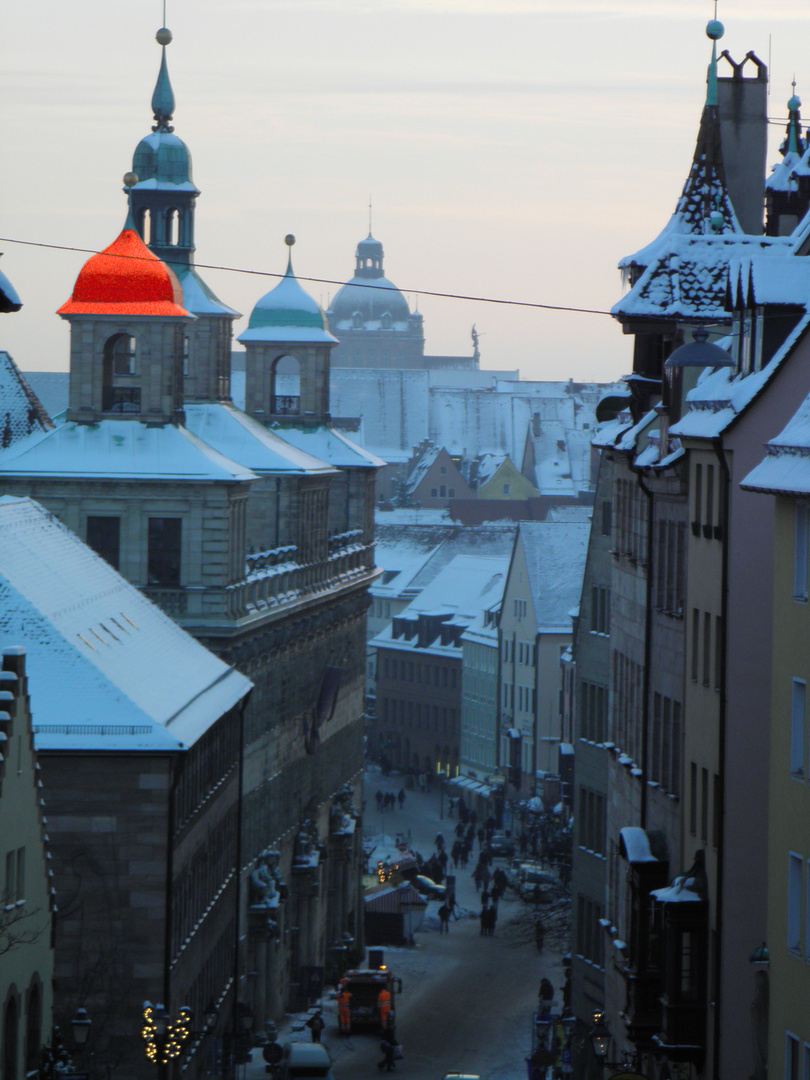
x=794, y=913
x=798, y=704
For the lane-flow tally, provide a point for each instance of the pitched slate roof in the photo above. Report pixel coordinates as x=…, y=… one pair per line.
x=555, y=557
x=20, y=410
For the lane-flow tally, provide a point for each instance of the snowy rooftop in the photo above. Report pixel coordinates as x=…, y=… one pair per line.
x=412, y=556
x=722, y=393
x=241, y=438
x=20, y=410
x=328, y=444
x=198, y=298
x=465, y=588
x=786, y=467
x=555, y=557
x=121, y=449
x=421, y=468
x=108, y=670
x=688, y=276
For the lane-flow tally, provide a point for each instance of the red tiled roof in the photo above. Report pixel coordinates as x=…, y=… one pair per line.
x=125, y=279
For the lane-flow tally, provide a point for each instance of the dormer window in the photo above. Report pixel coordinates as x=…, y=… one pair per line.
x=385, y=320
x=357, y=320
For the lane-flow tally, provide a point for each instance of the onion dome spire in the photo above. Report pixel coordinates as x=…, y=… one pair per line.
x=793, y=142
x=163, y=96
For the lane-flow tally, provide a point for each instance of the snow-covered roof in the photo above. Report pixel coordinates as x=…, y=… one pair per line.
x=108, y=670
x=20, y=410
x=327, y=444
x=421, y=468
x=242, y=438
x=687, y=278
x=555, y=558
x=786, y=467
x=121, y=449
x=488, y=465
x=198, y=298
x=722, y=394
x=464, y=588
x=763, y=279
x=288, y=314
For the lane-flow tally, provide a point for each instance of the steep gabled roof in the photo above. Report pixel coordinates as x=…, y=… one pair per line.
x=21, y=412
x=555, y=559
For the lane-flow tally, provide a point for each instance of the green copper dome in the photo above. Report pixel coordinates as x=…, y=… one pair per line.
x=287, y=313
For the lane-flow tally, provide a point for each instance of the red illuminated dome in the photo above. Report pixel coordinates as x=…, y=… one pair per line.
x=125, y=279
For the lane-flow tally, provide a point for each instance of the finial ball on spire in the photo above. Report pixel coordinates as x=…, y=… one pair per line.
x=794, y=103
x=163, y=36
x=130, y=180
x=715, y=29
x=289, y=240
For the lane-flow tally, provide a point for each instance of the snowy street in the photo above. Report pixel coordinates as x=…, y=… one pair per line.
x=467, y=1000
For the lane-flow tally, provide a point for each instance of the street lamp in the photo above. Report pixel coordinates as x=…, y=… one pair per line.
x=442, y=776
x=600, y=1037
x=80, y=1025
x=164, y=1037
x=600, y=1041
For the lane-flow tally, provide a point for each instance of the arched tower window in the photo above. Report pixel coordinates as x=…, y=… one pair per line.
x=118, y=396
x=185, y=353
x=145, y=226
x=173, y=227
x=357, y=320
x=285, y=387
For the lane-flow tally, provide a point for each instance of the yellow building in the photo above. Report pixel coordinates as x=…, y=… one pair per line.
x=498, y=478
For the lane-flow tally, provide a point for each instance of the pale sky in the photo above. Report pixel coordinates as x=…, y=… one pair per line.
x=513, y=149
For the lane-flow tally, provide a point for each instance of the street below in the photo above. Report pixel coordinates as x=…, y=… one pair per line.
x=467, y=1000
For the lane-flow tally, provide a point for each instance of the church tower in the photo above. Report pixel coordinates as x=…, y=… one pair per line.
x=163, y=197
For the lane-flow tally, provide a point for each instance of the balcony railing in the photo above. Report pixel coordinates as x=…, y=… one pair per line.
x=285, y=405
x=121, y=399
x=273, y=579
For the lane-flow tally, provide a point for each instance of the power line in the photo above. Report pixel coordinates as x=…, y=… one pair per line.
x=323, y=281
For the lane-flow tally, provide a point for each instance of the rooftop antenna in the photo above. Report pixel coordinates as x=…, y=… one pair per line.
x=369, y=210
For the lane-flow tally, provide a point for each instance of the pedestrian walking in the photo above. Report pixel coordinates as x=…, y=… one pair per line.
x=492, y=918
x=444, y=919
x=481, y=838
x=316, y=1025
x=539, y=934
x=388, y=1045
x=401, y=797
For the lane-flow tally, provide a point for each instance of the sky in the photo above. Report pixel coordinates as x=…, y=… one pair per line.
x=512, y=150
